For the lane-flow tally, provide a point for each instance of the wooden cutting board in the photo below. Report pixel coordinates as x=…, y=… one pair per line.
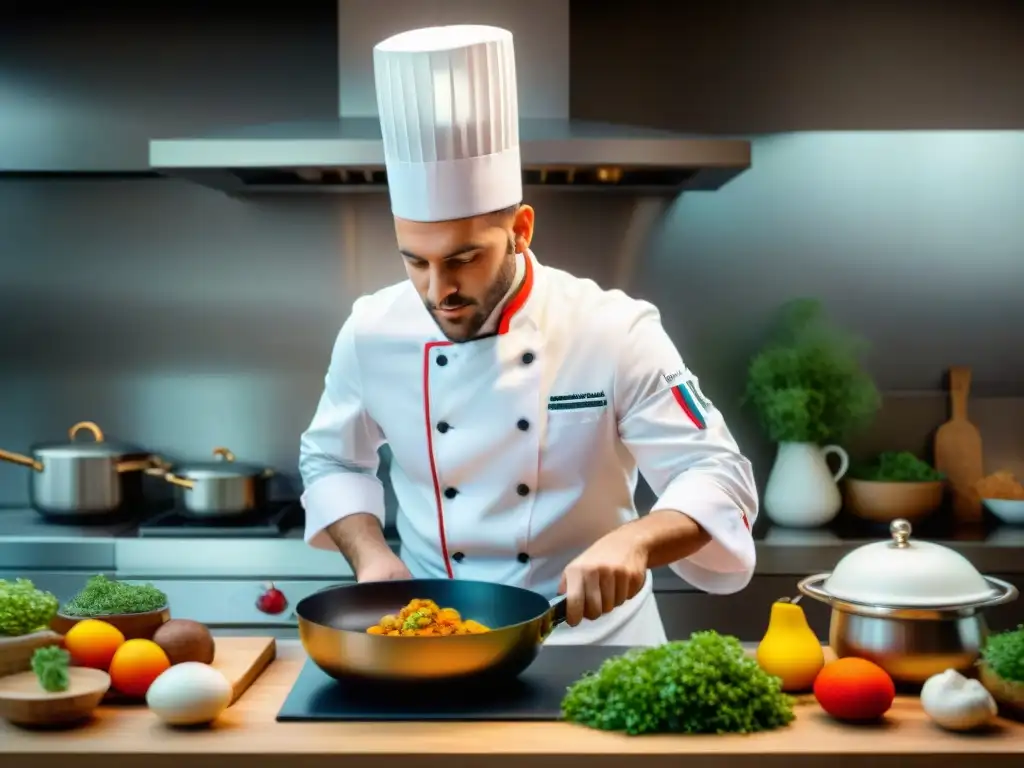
x=240, y=659
x=958, y=450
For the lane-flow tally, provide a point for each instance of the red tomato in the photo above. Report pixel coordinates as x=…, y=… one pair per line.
x=854, y=689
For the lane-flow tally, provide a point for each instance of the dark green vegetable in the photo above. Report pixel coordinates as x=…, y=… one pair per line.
x=51, y=664
x=896, y=467
x=1003, y=652
x=706, y=684
x=102, y=597
x=807, y=384
x=23, y=608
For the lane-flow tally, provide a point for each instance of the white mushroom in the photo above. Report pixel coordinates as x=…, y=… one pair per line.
x=957, y=703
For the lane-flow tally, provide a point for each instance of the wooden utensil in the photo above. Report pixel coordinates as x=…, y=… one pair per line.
x=958, y=450
x=23, y=701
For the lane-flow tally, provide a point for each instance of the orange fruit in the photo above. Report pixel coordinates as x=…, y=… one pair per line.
x=135, y=666
x=93, y=643
x=854, y=689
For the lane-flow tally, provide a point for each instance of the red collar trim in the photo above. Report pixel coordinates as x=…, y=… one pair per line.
x=518, y=300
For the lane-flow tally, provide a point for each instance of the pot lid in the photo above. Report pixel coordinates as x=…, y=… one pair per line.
x=223, y=466
x=905, y=573
x=82, y=445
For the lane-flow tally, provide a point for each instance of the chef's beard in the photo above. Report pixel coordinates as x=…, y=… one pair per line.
x=468, y=328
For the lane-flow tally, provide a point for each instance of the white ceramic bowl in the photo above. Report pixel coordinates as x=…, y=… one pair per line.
x=1008, y=510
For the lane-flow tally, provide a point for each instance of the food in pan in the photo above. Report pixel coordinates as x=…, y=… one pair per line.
x=423, y=618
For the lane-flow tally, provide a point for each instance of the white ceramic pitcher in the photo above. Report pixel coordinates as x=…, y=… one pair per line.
x=802, y=491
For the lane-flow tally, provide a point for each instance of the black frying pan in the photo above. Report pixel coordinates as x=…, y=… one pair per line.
x=333, y=624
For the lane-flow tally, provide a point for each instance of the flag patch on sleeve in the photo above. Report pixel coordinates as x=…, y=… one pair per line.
x=692, y=401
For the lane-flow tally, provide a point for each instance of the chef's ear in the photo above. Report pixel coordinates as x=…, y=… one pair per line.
x=522, y=227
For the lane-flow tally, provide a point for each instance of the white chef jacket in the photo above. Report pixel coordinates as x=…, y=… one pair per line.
x=515, y=452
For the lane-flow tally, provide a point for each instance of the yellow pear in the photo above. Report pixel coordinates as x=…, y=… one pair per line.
x=789, y=649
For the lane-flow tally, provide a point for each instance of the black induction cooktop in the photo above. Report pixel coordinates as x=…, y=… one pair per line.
x=535, y=695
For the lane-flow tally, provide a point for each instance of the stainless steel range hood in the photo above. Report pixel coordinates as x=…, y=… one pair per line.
x=346, y=154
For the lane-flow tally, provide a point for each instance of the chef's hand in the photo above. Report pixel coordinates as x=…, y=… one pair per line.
x=605, y=576
x=387, y=567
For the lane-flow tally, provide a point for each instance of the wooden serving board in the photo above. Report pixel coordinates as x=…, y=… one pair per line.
x=958, y=450
x=240, y=659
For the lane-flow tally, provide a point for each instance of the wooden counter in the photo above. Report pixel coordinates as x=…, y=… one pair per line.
x=248, y=736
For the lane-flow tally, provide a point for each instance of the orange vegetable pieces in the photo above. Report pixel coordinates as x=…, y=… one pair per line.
x=854, y=689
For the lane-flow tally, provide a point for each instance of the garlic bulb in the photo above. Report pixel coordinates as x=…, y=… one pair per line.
x=957, y=703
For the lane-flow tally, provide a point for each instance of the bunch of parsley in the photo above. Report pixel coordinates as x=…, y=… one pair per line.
x=102, y=596
x=1004, y=654
x=706, y=684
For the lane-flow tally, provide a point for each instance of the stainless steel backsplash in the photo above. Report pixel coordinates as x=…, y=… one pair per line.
x=182, y=319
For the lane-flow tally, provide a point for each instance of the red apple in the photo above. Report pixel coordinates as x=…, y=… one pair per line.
x=272, y=600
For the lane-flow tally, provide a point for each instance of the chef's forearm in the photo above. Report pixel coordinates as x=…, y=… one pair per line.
x=665, y=536
x=360, y=539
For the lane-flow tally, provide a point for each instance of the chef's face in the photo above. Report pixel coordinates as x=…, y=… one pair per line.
x=462, y=269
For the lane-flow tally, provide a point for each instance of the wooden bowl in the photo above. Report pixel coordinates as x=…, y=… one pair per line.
x=1009, y=695
x=132, y=625
x=24, y=702
x=16, y=652
x=880, y=502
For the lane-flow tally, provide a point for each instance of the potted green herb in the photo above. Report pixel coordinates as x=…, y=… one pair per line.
x=810, y=392
x=1001, y=669
x=138, y=610
x=894, y=484
x=25, y=616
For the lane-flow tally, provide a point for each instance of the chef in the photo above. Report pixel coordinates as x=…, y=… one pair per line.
x=519, y=402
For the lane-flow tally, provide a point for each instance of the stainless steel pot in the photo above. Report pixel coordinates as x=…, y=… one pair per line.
x=81, y=479
x=914, y=608
x=222, y=488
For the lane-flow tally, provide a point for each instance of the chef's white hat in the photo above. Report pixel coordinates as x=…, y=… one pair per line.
x=449, y=117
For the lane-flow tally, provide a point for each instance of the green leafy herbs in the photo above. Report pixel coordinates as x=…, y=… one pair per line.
x=102, y=597
x=896, y=467
x=807, y=384
x=23, y=608
x=706, y=684
x=1004, y=654
x=51, y=664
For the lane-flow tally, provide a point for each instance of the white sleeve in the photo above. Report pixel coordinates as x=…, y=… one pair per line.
x=338, y=457
x=687, y=455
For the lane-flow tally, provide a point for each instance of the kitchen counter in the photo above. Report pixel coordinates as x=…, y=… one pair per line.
x=217, y=579
x=248, y=735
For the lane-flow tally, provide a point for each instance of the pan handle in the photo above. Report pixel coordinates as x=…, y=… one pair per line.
x=558, y=606
x=17, y=458
x=171, y=478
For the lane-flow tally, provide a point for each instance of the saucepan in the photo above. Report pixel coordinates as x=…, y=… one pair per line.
x=82, y=479
x=913, y=607
x=219, y=488
x=333, y=624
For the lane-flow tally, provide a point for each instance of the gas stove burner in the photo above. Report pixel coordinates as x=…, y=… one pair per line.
x=273, y=520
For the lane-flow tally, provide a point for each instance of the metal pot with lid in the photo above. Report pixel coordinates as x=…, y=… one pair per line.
x=220, y=488
x=80, y=478
x=914, y=607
